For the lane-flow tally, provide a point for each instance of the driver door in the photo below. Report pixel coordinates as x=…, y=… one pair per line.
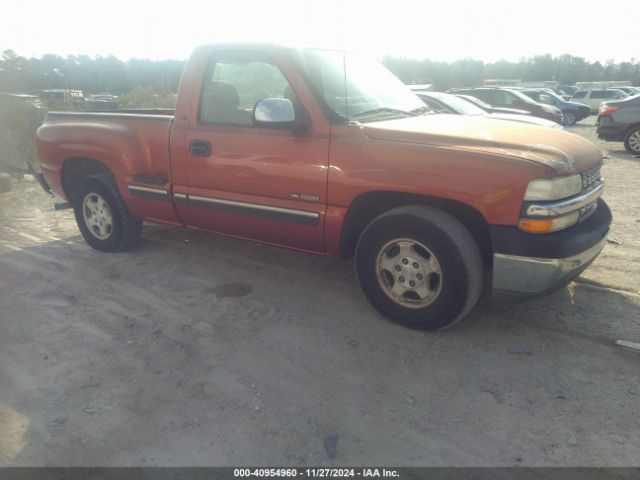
x=257, y=182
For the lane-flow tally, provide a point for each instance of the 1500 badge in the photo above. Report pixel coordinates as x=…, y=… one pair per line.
x=306, y=197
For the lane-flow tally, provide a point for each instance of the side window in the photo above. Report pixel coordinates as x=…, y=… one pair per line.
x=580, y=95
x=546, y=99
x=612, y=94
x=597, y=94
x=505, y=99
x=484, y=95
x=234, y=82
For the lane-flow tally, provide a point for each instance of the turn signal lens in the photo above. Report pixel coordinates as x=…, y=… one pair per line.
x=548, y=225
x=532, y=225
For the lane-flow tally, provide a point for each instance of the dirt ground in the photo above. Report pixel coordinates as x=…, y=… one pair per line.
x=201, y=350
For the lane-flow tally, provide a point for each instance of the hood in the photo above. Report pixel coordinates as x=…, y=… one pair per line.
x=571, y=103
x=513, y=111
x=562, y=151
x=542, y=122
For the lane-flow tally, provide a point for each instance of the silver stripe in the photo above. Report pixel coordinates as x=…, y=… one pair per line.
x=301, y=213
x=147, y=189
x=180, y=196
x=553, y=209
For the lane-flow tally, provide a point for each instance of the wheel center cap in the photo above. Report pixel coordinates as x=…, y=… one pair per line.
x=409, y=272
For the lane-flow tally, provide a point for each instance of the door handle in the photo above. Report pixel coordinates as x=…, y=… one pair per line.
x=199, y=148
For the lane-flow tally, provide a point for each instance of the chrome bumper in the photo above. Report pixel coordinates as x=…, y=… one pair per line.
x=537, y=276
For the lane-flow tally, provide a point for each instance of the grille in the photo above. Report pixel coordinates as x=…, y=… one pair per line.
x=591, y=178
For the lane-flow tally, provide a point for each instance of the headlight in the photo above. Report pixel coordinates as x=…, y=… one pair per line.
x=553, y=188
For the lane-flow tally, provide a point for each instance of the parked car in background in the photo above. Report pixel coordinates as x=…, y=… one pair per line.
x=510, y=98
x=572, y=112
x=569, y=90
x=620, y=121
x=594, y=98
x=451, y=104
x=490, y=109
x=631, y=91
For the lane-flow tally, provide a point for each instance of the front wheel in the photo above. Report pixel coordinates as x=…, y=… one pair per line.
x=569, y=118
x=632, y=141
x=420, y=267
x=102, y=216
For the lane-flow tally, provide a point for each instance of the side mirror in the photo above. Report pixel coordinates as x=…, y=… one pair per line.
x=279, y=113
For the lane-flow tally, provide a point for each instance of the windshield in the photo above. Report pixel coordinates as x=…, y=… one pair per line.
x=459, y=105
x=476, y=101
x=353, y=87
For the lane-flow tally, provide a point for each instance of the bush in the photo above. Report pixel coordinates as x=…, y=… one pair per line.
x=19, y=120
x=146, y=97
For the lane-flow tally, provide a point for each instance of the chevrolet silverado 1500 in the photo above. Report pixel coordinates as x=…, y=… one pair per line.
x=327, y=152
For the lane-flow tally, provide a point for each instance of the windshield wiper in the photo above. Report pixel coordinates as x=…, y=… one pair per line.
x=384, y=110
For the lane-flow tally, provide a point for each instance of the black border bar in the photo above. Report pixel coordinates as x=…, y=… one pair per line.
x=394, y=473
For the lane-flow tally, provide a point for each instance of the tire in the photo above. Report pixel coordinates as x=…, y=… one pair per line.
x=632, y=141
x=569, y=118
x=450, y=286
x=5, y=182
x=102, y=216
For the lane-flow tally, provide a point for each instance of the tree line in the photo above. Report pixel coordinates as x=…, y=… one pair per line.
x=111, y=75
x=565, y=69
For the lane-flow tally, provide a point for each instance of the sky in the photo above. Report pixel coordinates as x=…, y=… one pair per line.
x=448, y=30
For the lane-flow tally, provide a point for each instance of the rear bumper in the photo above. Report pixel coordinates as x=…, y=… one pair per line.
x=43, y=183
x=610, y=130
x=526, y=265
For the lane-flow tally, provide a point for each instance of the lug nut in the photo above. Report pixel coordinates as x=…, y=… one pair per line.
x=415, y=265
x=419, y=277
x=401, y=279
x=412, y=283
x=405, y=261
x=397, y=268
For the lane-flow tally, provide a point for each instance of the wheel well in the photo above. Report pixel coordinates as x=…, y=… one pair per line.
x=630, y=128
x=368, y=206
x=74, y=169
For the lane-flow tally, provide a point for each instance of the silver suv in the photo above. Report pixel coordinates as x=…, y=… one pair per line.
x=594, y=98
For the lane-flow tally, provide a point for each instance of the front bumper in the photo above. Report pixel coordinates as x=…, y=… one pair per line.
x=527, y=265
x=582, y=113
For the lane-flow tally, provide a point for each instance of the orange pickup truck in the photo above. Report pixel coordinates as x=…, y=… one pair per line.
x=327, y=152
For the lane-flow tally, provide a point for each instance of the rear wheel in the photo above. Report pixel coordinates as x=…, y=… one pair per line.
x=102, y=216
x=632, y=141
x=569, y=118
x=420, y=267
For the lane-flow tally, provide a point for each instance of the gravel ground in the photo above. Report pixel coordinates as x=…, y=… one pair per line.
x=202, y=350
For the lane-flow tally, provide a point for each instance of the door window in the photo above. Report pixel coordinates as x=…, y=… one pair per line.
x=596, y=94
x=506, y=99
x=234, y=82
x=546, y=99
